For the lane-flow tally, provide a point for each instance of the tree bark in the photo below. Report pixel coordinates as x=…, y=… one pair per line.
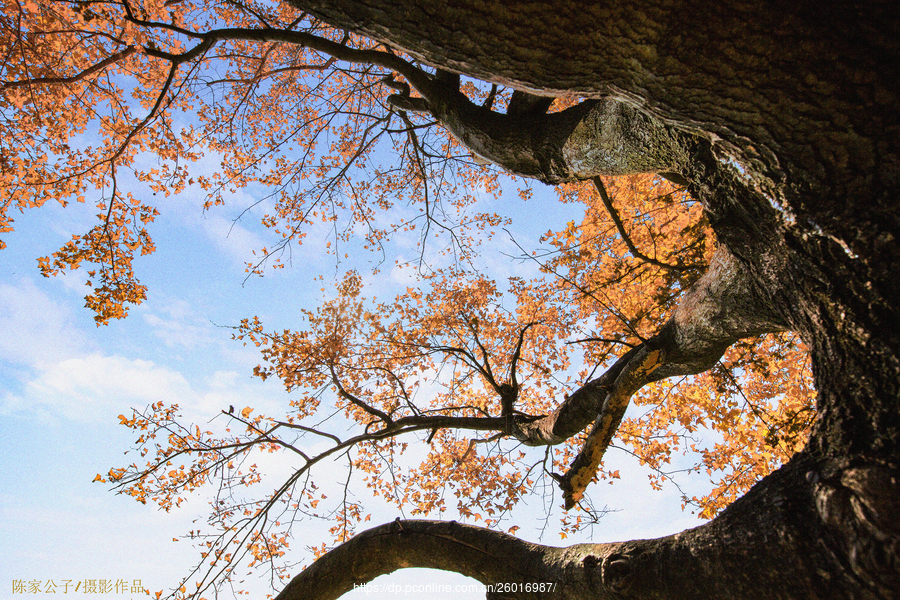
x=779, y=88
x=790, y=117
x=796, y=548
x=597, y=137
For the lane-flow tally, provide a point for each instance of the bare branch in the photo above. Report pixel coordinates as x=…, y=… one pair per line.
x=620, y=227
x=95, y=68
x=356, y=401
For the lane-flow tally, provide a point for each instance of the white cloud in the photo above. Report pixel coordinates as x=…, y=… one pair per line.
x=94, y=387
x=37, y=331
x=225, y=388
x=178, y=331
x=58, y=538
x=231, y=238
x=53, y=370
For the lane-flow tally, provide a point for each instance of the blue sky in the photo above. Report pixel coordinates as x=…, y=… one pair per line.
x=63, y=382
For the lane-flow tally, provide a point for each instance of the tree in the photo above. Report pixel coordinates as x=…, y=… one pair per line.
x=756, y=111
x=798, y=183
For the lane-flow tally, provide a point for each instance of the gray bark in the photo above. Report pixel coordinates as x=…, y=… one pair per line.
x=600, y=137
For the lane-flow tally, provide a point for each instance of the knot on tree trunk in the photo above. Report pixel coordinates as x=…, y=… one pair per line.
x=618, y=572
x=861, y=510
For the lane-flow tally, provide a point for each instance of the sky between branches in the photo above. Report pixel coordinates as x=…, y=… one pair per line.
x=63, y=381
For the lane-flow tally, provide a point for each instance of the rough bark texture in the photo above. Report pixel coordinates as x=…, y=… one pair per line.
x=786, y=121
x=713, y=561
x=598, y=137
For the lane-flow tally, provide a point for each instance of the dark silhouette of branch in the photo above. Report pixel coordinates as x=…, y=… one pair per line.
x=95, y=68
x=620, y=227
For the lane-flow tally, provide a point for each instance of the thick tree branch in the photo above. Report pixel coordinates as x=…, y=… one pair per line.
x=721, y=308
x=596, y=137
x=743, y=553
x=488, y=556
x=718, y=310
x=633, y=377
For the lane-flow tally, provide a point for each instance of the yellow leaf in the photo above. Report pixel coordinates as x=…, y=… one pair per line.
x=246, y=412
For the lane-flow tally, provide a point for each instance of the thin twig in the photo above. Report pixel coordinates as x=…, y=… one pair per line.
x=620, y=227
x=113, y=58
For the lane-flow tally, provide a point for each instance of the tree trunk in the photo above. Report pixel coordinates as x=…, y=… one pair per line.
x=792, y=121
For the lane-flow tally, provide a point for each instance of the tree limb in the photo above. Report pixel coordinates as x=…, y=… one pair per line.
x=718, y=310
x=595, y=137
x=709, y=561
x=620, y=227
x=488, y=556
x=95, y=68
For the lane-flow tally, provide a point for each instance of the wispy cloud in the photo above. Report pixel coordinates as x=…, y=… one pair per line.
x=231, y=238
x=37, y=331
x=93, y=387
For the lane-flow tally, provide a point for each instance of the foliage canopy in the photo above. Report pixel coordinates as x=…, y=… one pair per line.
x=331, y=126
